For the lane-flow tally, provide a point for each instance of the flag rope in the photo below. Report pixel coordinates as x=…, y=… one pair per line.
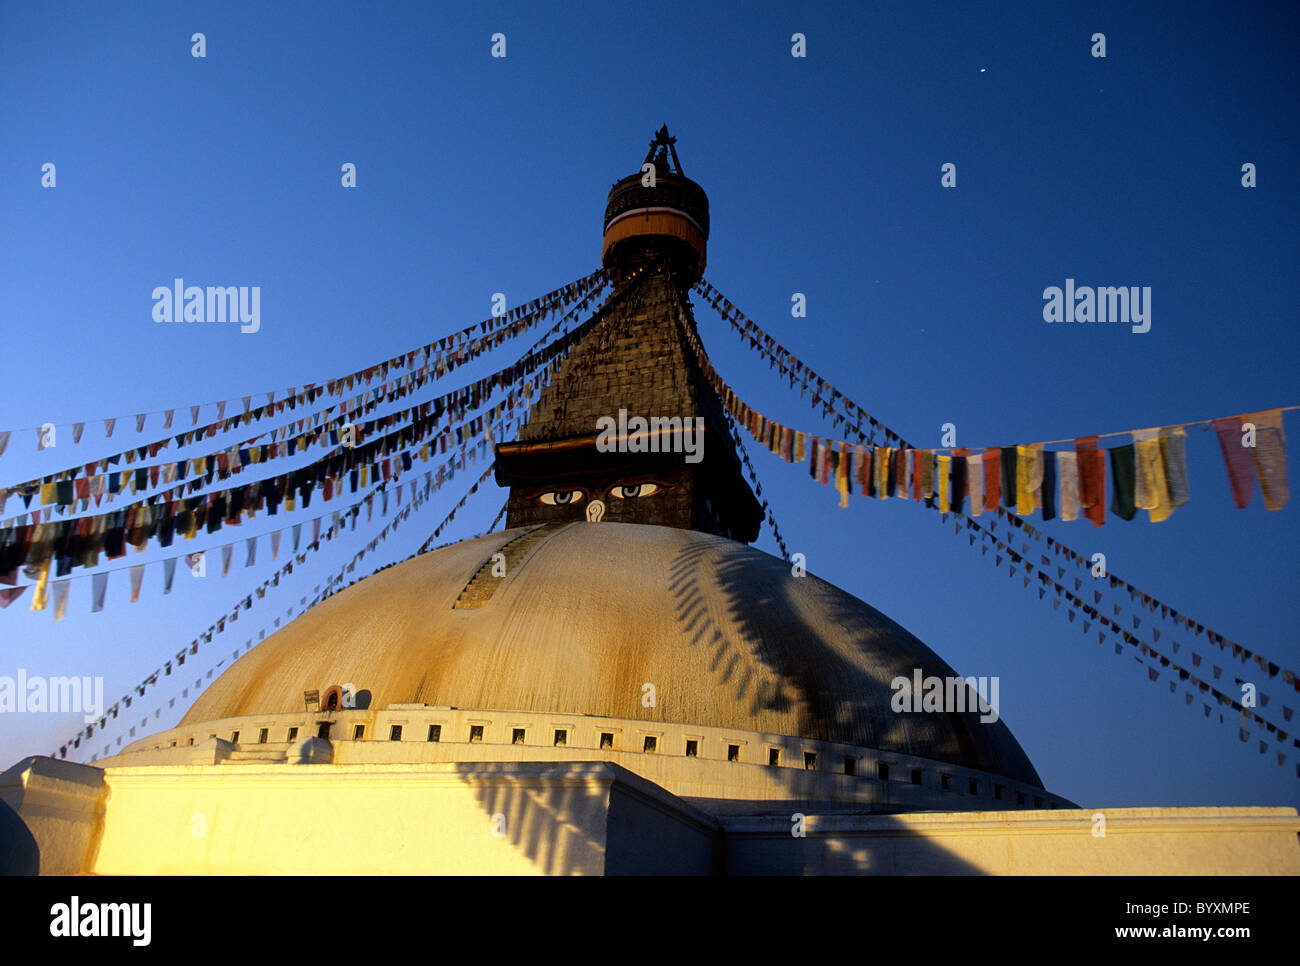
x=795, y=365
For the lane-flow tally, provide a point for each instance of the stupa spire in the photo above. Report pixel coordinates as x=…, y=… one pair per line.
x=629, y=430
x=657, y=216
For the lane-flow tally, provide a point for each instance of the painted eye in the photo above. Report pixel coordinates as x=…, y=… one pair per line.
x=632, y=491
x=561, y=497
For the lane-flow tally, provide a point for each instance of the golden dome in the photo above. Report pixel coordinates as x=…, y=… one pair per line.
x=589, y=613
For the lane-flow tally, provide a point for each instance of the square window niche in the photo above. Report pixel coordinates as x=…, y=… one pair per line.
x=475, y=732
x=561, y=737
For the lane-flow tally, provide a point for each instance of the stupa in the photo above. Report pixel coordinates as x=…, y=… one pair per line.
x=618, y=682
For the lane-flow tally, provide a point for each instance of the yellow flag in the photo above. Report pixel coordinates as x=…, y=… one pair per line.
x=42, y=594
x=842, y=475
x=1029, y=467
x=1151, y=491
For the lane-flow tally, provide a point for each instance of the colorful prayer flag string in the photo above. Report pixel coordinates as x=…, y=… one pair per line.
x=349, y=411
x=891, y=474
x=246, y=603
x=455, y=343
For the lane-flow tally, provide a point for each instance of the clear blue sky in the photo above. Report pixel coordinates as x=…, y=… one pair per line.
x=479, y=175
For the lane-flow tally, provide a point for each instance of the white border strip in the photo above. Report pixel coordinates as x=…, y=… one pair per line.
x=651, y=211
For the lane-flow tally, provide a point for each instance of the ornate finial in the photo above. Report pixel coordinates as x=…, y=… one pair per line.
x=665, y=143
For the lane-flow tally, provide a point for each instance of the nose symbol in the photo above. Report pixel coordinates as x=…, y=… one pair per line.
x=595, y=510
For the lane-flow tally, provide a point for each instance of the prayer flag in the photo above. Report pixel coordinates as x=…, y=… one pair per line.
x=1029, y=477
x=1123, y=472
x=1237, y=458
x=1092, y=479
x=40, y=596
x=1151, y=489
x=992, y=478
x=1270, y=458
x=98, y=587
x=1047, y=489
x=842, y=474
x=975, y=483
x=881, y=460
x=1173, y=447
x=1007, y=461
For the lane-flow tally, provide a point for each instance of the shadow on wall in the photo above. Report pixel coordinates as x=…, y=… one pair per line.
x=19, y=853
x=550, y=823
x=584, y=820
x=888, y=849
x=592, y=818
